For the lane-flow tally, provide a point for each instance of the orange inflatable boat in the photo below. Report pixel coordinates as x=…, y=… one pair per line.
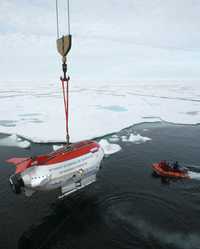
x=164, y=169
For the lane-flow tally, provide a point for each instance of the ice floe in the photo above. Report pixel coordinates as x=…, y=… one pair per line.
x=114, y=138
x=109, y=148
x=135, y=138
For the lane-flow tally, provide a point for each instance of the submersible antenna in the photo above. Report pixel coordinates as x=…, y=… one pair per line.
x=63, y=46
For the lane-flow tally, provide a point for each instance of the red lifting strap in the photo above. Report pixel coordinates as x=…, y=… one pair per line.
x=65, y=88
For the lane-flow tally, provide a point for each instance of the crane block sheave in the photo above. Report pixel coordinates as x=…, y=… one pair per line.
x=64, y=45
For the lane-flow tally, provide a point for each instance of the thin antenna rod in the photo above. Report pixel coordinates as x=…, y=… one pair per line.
x=68, y=16
x=57, y=19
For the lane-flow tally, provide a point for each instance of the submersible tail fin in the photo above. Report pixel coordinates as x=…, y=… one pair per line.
x=21, y=163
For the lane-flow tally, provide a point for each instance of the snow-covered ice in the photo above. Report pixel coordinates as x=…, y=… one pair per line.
x=36, y=110
x=109, y=148
x=135, y=138
x=114, y=138
x=14, y=141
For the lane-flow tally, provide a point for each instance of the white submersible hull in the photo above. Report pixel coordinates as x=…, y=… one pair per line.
x=70, y=168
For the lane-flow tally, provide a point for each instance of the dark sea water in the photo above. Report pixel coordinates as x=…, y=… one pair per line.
x=125, y=208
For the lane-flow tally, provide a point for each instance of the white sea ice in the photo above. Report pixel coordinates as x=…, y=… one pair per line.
x=137, y=138
x=114, y=138
x=14, y=141
x=109, y=148
x=124, y=138
x=35, y=111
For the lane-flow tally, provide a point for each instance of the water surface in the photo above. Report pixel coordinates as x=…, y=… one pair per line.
x=125, y=208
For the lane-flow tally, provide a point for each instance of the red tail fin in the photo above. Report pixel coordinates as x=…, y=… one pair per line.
x=22, y=163
x=17, y=160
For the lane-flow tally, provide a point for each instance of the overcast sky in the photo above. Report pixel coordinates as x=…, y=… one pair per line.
x=112, y=40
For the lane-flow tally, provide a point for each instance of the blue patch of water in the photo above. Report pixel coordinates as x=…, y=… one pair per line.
x=114, y=108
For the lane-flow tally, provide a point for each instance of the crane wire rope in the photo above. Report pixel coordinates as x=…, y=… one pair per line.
x=65, y=80
x=68, y=18
x=57, y=19
x=68, y=15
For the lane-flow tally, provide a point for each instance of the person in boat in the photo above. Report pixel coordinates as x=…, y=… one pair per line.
x=176, y=166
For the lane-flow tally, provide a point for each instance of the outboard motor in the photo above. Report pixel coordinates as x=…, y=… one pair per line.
x=16, y=183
